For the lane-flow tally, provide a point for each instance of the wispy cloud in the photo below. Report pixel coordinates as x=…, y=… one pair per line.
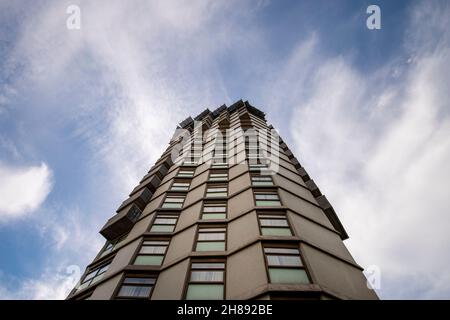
x=52, y=284
x=23, y=189
x=378, y=146
x=139, y=60
x=120, y=84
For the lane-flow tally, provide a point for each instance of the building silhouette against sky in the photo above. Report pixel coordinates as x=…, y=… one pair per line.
x=227, y=212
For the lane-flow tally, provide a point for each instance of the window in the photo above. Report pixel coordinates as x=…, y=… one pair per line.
x=218, y=176
x=252, y=150
x=113, y=244
x=219, y=164
x=151, y=253
x=206, y=281
x=214, y=210
x=188, y=173
x=180, y=186
x=164, y=223
x=214, y=191
x=220, y=150
x=94, y=275
x=267, y=199
x=285, y=266
x=257, y=166
x=211, y=239
x=189, y=162
x=173, y=202
x=274, y=225
x=136, y=287
x=258, y=180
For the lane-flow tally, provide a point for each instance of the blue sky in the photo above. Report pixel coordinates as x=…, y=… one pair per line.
x=85, y=113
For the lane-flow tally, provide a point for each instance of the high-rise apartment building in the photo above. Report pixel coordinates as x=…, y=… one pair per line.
x=227, y=212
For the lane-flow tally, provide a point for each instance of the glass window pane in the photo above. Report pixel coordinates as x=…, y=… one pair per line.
x=133, y=280
x=211, y=236
x=174, y=199
x=284, y=260
x=262, y=183
x=97, y=278
x=282, y=275
x=281, y=250
x=90, y=275
x=211, y=265
x=165, y=221
x=162, y=228
x=185, y=173
x=219, y=165
x=181, y=184
x=134, y=291
x=272, y=216
x=179, y=188
x=267, y=203
x=214, y=209
x=205, y=292
x=109, y=246
x=149, y=260
x=155, y=243
x=264, y=196
x=207, y=216
x=200, y=276
x=172, y=205
x=210, y=246
x=216, y=194
x=218, y=189
x=276, y=231
x=153, y=249
x=261, y=178
x=273, y=222
x=103, y=269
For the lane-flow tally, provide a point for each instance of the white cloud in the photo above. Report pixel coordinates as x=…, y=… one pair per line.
x=23, y=189
x=54, y=284
x=152, y=64
x=378, y=147
x=136, y=70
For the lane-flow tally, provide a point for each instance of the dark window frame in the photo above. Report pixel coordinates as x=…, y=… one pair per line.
x=180, y=180
x=135, y=275
x=137, y=253
x=115, y=244
x=284, y=246
x=216, y=185
x=282, y=216
x=206, y=260
x=214, y=203
x=254, y=174
x=201, y=229
x=189, y=168
x=97, y=267
x=267, y=191
x=164, y=215
x=173, y=195
x=218, y=171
